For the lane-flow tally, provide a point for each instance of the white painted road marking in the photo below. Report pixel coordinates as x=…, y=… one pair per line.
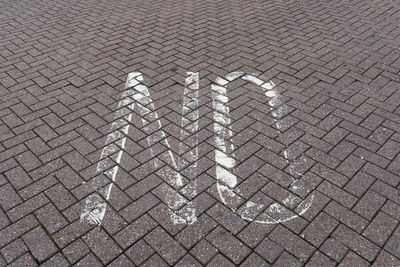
x=95, y=207
x=137, y=93
x=224, y=155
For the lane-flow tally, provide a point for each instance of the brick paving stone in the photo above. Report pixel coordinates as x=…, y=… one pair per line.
x=133, y=232
x=4, y=221
x=27, y=207
x=287, y=260
x=334, y=249
x=89, y=260
x=2, y=261
x=76, y=251
x=139, y=207
x=17, y=229
x=385, y=259
x=139, y=252
x=392, y=209
x=232, y=222
x=121, y=261
x=102, y=245
x=155, y=260
x=220, y=260
x=337, y=194
x=51, y=218
x=346, y=216
x=70, y=233
x=392, y=245
x=359, y=244
x=28, y=161
x=165, y=246
x=193, y=233
x=68, y=177
x=60, y=196
x=39, y=243
x=13, y=250
x=353, y=259
x=56, y=260
x=369, y=204
x=359, y=184
x=291, y=242
x=320, y=229
x=18, y=178
x=228, y=245
x=331, y=121
x=188, y=261
x=319, y=259
x=8, y=197
x=269, y=250
x=380, y=229
x=255, y=260
x=204, y=251
x=26, y=260
x=254, y=233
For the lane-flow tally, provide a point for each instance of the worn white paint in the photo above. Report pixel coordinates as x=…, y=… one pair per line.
x=224, y=154
x=172, y=197
x=189, y=124
x=136, y=95
x=95, y=207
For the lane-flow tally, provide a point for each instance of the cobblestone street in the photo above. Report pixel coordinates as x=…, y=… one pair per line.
x=200, y=133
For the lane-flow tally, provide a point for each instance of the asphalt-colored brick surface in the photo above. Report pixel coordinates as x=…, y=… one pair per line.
x=315, y=139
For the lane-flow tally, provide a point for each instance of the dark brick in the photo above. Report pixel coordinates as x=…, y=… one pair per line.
x=165, y=246
x=319, y=229
x=51, y=218
x=27, y=207
x=204, y=251
x=28, y=161
x=13, y=250
x=255, y=260
x=380, y=229
x=346, y=216
x=102, y=245
x=26, y=260
x=39, y=244
x=76, y=251
x=139, y=252
x=385, y=259
x=8, y=197
x=269, y=250
x=337, y=194
x=228, y=245
x=334, y=249
x=355, y=242
x=288, y=260
x=195, y=232
x=220, y=260
x=292, y=243
x=135, y=231
x=319, y=259
x=353, y=259
x=369, y=205
x=89, y=260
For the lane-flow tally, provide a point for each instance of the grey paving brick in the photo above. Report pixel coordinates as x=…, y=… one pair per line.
x=327, y=133
x=102, y=245
x=39, y=244
x=292, y=243
x=360, y=245
x=228, y=245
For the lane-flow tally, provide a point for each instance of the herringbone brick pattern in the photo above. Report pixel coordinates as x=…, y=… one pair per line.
x=334, y=129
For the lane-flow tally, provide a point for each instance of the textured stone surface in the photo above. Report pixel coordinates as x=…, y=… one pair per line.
x=331, y=123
